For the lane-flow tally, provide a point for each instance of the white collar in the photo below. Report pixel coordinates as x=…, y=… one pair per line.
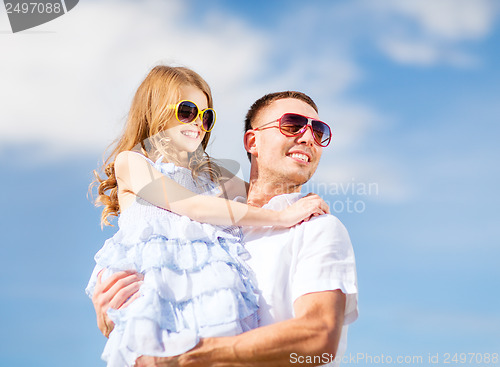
x=280, y=202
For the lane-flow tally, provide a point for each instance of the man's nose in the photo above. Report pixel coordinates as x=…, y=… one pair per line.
x=306, y=137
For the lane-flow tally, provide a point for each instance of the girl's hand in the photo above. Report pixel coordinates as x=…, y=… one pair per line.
x=117, y=292
x=304, y=209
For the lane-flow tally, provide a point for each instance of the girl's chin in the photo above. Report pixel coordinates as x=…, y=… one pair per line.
x=191, y=148
x=186, y=144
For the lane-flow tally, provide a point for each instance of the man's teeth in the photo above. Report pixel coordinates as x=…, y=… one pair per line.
x=191, y=134
x=302, y=157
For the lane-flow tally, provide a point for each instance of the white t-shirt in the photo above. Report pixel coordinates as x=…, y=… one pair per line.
x=311, y=257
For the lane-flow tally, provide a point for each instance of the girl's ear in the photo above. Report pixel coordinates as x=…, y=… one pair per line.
x=249, y=139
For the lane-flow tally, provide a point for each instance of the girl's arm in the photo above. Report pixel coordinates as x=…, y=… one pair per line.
x=134, y=174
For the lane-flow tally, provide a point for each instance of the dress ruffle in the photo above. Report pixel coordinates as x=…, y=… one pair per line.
x=196, y=282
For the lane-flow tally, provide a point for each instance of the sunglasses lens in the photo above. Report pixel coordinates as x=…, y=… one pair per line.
x=187, y=112
x=208, y=119
x=291, y=124
x=322, y=133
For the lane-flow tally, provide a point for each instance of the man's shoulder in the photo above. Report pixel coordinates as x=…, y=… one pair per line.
x=325, y=222
x=325, y=229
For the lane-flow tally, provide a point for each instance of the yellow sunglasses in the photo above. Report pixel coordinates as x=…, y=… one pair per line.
x=187, y=112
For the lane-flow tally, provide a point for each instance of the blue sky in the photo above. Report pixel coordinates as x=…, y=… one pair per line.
x=411, y=90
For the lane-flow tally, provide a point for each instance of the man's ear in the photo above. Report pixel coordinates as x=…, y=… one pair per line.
x=250, y=142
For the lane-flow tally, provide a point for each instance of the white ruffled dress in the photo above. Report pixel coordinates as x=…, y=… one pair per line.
x=196, y=282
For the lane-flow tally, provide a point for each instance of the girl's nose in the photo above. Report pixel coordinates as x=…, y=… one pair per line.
x=197, y=121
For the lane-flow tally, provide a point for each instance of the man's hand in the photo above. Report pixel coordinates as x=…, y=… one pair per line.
x=147, y=361
x=195, y=357
x=117, y=292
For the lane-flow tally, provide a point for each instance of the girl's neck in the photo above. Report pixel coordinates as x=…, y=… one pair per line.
x=181, y=160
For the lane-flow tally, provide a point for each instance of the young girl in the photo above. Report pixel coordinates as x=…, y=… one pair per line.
x=165, y=187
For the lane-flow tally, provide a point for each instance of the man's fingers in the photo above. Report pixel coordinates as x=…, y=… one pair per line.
x=124, y=294
x=140, y=362
x=147, y=361
x=121, y=286
x=98, y=284
x=113, y=292
x=116, y=277
x=105, y=297
x=130, y=300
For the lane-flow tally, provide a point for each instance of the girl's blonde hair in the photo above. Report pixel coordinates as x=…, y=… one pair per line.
x=148, y=117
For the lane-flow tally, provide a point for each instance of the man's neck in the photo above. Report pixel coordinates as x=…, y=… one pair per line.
x=259, y=193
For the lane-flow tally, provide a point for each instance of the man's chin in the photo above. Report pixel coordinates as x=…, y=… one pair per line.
x=298, y=179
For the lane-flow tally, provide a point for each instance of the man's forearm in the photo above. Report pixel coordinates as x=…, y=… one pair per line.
x=315, y=330
x=271, y=346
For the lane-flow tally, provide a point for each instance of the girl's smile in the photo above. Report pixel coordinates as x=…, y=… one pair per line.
x=193, y=134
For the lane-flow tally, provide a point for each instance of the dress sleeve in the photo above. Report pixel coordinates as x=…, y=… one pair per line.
x=325, y=261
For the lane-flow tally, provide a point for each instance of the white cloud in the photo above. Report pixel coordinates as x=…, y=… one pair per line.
x=425, y=53
x=429, y=32
x=448, y=19
x=71, y=89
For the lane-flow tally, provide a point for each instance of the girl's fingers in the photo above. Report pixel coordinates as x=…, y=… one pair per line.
x=323, y=206
x=325, y=209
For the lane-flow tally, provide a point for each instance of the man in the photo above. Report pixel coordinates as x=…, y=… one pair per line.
x=306, y=274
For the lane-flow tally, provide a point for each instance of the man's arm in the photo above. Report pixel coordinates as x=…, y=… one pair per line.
x=315, y=330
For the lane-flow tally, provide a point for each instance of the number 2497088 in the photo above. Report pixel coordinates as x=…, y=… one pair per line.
x=470, y=358
x=33, y=8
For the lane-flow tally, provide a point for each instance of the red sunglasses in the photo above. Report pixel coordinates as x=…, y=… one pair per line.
x=293, y=124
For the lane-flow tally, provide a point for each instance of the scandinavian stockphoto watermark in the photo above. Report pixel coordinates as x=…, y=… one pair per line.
x=26, y=14
x=345, y=197
x=464, y=359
